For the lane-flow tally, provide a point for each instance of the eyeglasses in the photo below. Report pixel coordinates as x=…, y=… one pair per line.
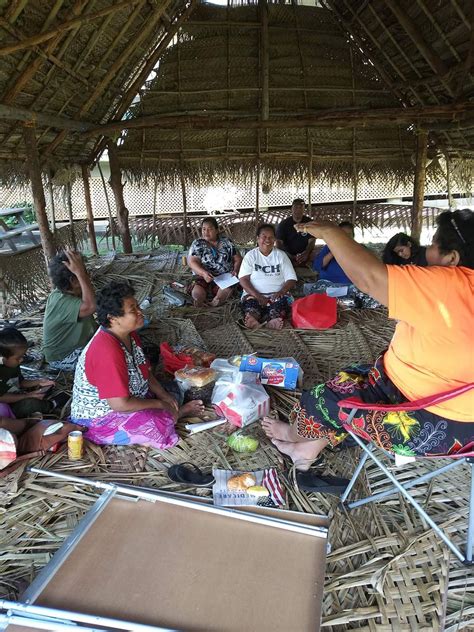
x=455, y=226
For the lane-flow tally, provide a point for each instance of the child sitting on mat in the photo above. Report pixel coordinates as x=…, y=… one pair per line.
x=13, y=346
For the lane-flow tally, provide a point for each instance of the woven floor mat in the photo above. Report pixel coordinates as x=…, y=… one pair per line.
x=173, y=331
x=226, y=341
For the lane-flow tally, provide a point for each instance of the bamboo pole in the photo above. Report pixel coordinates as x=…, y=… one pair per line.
x=34, y=171
x=51, y=201
x=14, y=113
x=117, y=187
x=90, y=213
x=257, y=197
x=265, y=59
x=109, y=208
x=419, y=184
x=185, y=208
x=68, y=204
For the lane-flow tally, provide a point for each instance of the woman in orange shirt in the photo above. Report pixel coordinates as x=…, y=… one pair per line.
x=431, y=352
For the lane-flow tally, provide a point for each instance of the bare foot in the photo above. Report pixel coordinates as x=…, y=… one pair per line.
x=275, y=323
x=303, y=455
x=276, y=429
x=198, y=303
x=216, y=302
x=192, y=409
x=251, y=322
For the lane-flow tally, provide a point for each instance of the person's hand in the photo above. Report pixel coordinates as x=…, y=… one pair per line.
x=315, y=228
x=38, y=394
x=170, y=401
x=45, y=382
x=208, y=277
x=161, y=404
x=235, y=272
x=262, y=300
x=75, y=263
x=301, y=257
x=276, y=295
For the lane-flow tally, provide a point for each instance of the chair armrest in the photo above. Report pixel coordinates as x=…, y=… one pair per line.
x=425, y=402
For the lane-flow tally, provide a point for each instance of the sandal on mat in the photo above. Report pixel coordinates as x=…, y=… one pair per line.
x=311, y=482
x=189, y=474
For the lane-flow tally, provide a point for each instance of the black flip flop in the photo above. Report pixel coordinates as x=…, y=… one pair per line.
x=189, y=474
x=311, y=482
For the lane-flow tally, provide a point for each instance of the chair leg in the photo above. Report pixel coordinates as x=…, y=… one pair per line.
x=470, y=528
x=410, y=499
x=355, y=476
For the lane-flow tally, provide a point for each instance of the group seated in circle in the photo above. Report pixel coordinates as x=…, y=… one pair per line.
x=119, y=400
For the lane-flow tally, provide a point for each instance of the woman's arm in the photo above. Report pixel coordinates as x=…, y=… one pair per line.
x=237, y=259
x=362, y=267
x=249, y=288
x=135, y=404
x=196, y=266
x=161, y=393
x=287, y=286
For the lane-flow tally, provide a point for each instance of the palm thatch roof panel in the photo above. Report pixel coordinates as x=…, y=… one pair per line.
x=73, y=59
x=424, y=52
x=215, y=68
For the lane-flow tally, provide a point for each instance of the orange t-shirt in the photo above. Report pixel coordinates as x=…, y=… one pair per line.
x=432, y=350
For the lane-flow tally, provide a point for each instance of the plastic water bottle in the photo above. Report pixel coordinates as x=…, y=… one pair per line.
x=146, y=302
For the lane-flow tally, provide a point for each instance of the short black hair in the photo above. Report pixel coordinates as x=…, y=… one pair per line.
x=298, y=201
x=210, y=220
x=456, y=232
x=110, y=300
x=264, y=227
x=346, y=223
x=11, y=339
x=389, y=255
x=60, y=276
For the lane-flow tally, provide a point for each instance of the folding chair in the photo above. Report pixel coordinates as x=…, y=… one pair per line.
x=466, y=455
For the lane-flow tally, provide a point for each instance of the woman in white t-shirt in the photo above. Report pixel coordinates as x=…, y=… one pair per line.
x=267, y=276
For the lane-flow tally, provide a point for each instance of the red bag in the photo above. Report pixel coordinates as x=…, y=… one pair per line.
x=174, y=361
x=316, y=311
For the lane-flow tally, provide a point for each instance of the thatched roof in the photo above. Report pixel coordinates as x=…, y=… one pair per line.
x=210, y=86
x=73, y=61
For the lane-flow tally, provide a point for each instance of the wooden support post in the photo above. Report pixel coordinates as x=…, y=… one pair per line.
x=51, y=201
x=257, y=198
x=34, y=172
x=109, y=208
x=68, y=204
x=90, y=213
x=155, y=200
x=185, y=209
x=117, y=187
x=448, y=178
x=265, y=59
x=419, y=184
x=310, y=180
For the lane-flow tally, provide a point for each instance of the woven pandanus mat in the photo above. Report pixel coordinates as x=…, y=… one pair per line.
x=226, y=341
x=173, y=331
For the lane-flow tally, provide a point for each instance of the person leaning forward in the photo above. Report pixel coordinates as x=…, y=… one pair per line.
x=298, y=247
x=68, y=320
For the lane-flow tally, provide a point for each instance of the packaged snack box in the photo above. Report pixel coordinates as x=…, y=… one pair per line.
x=281, y=372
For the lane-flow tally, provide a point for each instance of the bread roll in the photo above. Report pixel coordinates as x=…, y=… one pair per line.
x=240, y=482
x=196, y=376
x=258, y=490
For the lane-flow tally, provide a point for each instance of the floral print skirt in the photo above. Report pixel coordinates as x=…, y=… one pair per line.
x=409, y=433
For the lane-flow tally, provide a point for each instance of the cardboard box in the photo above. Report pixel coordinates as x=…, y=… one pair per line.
x=280, y=372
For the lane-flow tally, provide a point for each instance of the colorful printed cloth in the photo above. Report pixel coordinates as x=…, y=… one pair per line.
x=279, y=308
x=150, y=427
x=412, y=433
x=217, y=259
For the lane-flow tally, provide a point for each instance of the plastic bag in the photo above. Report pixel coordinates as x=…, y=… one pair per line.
x=240, y=404
x=316, y=311
x=174, y=361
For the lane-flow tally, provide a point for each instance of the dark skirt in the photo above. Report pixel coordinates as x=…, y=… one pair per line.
x=409, y=433
x=279, y=308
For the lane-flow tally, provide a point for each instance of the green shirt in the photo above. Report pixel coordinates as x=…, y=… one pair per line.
x=10, y=378
x=63, y=330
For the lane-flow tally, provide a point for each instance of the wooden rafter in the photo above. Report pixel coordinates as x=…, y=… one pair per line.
x=65, y=26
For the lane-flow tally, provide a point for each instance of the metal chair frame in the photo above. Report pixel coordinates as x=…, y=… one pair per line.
x=369, y=451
